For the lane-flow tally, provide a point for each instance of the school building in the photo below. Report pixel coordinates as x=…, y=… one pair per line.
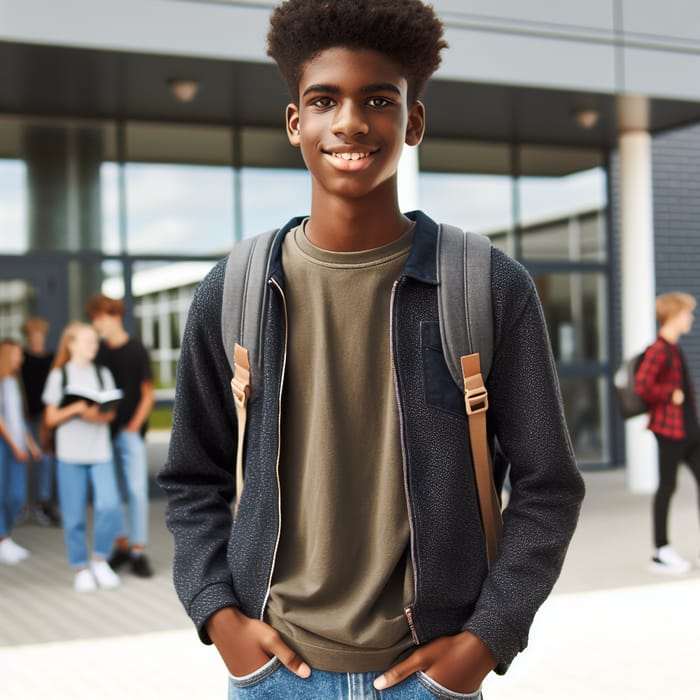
x=139, y=139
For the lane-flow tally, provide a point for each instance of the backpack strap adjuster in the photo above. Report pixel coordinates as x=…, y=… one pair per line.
x=240, y=383
x=476, y=397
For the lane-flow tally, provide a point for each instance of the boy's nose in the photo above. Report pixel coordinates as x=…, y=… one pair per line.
x=350, y=120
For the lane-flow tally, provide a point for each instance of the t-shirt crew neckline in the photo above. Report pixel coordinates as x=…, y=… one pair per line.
x=359, y=258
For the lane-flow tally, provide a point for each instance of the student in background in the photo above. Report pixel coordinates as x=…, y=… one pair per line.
x=84, y=457
x=128, y=361
x=35, y=369
x=664, y=382
x=16, y=444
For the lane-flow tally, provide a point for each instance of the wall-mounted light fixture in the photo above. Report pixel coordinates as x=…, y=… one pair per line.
x=183, y=89
x=586, y=117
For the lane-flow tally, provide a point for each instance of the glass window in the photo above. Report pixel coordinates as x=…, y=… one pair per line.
x=575, y=311
x=85, y=278
x=17, y=301
x=109, y=186
x=179, y=209
x=586, y=410
x=13, y=206
x=162, y=294
x=179, y=189
x=563, y=217
x=479, y=203
x=270, y=197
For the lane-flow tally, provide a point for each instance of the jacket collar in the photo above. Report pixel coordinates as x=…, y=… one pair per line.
x=421, y=263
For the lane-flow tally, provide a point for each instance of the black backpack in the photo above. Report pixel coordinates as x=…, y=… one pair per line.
x=631, y=404
x=629, y=401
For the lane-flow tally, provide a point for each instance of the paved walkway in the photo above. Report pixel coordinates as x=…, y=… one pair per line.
x=610, y=631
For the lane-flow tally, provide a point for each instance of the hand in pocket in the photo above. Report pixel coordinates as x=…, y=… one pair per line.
x=246, y=645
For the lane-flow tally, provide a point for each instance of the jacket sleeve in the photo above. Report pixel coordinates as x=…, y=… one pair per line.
x=198, y=475
x=527, y=417
x=648, y=378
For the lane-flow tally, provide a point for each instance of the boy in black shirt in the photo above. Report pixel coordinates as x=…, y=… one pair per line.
x=127, y=359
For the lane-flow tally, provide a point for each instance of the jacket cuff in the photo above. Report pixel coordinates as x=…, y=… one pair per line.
x=498, y=635
x=207, y=602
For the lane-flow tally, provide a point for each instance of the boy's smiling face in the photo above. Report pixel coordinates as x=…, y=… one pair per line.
x=352, y=121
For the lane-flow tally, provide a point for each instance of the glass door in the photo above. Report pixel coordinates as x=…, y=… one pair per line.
x=30, y=287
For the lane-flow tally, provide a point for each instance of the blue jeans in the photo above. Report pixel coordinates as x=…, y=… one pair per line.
x=43, y=468
x=73, y=482
x=130, y=455
x=273, y=681
x=13, y=488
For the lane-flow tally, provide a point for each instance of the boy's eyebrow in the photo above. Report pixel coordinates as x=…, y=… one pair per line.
x=335, y=90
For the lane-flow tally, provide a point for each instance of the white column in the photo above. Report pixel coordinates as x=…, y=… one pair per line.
x=638, y=290
x=408, y=178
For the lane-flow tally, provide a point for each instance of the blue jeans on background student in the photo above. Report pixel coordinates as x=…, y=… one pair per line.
x=43, y=467
x=130, y=456
x=73, y=483
x=13, y=488
x=274, y=681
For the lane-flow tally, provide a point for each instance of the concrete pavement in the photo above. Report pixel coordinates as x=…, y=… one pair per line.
x=610, y=631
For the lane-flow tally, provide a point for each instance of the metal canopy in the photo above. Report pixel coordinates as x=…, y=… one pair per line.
x=65, y=82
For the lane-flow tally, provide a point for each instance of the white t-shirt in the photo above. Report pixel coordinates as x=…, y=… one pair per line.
x=79, y=441
x=12, y=410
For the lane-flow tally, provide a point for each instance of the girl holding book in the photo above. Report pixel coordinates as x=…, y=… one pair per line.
x=16, y=444
x=83, y=454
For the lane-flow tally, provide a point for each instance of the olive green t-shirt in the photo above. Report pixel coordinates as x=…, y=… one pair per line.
x=343, y=574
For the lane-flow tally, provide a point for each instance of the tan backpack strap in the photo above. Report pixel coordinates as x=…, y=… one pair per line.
x=477, y=402
x=240, y=386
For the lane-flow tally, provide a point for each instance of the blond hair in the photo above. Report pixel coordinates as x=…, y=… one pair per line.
x=67, y=337
x=671, y=304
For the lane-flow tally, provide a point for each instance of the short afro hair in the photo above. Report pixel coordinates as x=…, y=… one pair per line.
x=407, y=32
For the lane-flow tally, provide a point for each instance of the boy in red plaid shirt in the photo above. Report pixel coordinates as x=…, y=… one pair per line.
x=664, y=382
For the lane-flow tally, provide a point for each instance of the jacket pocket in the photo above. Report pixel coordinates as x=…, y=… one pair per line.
x=440, y=390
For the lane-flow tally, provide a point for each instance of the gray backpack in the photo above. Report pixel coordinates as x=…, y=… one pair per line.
x=466, y=328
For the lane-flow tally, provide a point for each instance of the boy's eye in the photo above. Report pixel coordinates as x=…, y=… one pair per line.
x=378, y=102
x=322, y=102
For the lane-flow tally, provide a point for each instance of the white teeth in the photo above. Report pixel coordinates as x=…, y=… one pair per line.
x=351, y=156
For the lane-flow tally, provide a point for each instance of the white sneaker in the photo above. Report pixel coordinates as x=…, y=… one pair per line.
x=7, y=554
x=84, y=581
x=22, y=553
x=104, y=574
x=666, y=560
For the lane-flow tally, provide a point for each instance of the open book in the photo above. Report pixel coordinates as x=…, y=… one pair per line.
x=106, y=398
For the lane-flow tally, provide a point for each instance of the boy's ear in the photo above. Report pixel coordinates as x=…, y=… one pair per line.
x=415, y=127
x=292, y=117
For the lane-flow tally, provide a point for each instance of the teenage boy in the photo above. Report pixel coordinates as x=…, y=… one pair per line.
x=664, y=382
x=356, y=563
x=127, y=360
x=35, y=369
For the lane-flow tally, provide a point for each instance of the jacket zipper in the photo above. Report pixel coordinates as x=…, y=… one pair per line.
x=277, y=464
x=408, y=610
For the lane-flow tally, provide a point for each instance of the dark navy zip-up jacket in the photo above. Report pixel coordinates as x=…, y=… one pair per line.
x=220, y=563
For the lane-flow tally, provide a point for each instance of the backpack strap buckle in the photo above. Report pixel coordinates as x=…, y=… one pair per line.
x=240, y=383
x=476, y=398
